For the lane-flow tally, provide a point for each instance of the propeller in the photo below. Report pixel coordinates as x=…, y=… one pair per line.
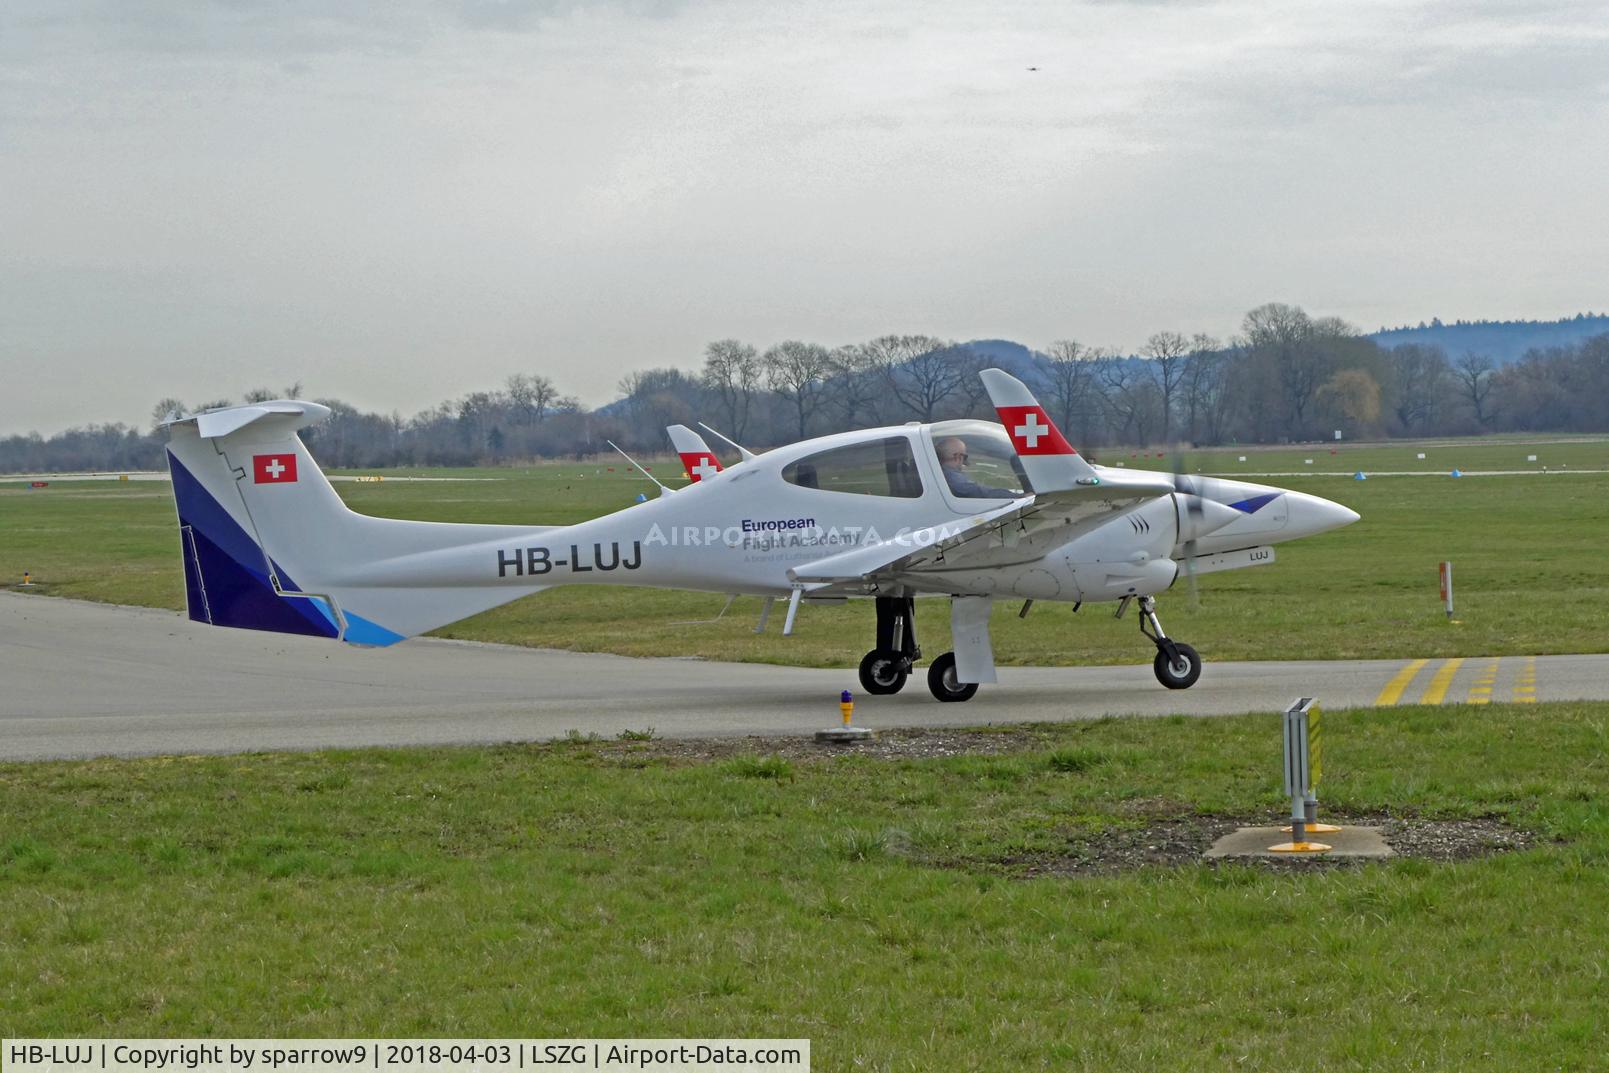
x=1189, y=490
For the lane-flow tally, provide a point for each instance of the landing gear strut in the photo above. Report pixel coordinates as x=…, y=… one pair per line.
x=885, y=668
x=1177, y=665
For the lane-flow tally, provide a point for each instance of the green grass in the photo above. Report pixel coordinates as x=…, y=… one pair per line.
x=1530, y=572
x=1490, y=453
x=600, y=889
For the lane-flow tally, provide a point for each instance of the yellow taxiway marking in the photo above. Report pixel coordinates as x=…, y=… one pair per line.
x=1393, y=690
x=1481, y=691
x=1437, y=689
x=1525, y=684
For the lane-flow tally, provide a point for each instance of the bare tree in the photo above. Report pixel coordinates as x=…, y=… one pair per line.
x=918, y=370
x=798, y=373
x=1474, y=373
x=1290, y=356
x=1420, y=381
x=165, y=410
x=1203, y=389
x=732, y=374
x=478, y=415
x=530, y=396
x=1168, y=352
x=972, y=395
x=1131, y=397
x=1070, y=376
x=266, y=394
x=655, y=398
x=1291, y=368
x=854, y=387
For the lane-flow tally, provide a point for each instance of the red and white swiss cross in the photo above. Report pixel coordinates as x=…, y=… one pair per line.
x=700, y=465
x=1032, y=432
x=273, y=469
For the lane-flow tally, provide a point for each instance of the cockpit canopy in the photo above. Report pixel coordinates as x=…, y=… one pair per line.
x=884, y=467
x=975, y=457
x=978, y=460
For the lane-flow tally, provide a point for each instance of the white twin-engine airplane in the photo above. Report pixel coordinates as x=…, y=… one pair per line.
x=971, y=510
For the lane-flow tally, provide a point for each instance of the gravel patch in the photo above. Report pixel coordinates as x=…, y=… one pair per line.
x=1160, y=833
x=900, y=744
x=1178, y=840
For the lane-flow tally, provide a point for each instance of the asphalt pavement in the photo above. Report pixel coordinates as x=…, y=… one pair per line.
x=83, y=679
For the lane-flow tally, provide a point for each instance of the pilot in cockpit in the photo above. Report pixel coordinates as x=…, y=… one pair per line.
x=953, y=457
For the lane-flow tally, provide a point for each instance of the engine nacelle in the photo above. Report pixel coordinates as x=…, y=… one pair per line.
x=1128, y=555
x=1113, y=581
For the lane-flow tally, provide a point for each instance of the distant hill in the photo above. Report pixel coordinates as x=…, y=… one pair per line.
x=1014, y=358
x=1501, y=340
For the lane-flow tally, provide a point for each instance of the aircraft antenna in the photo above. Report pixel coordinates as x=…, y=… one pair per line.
x=633, y=461
x=742, y=450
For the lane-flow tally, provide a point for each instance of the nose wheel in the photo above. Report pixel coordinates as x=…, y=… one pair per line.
x=1180, y=670
x=1177, y=665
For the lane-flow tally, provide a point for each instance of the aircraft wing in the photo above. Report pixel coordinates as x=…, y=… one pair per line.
x=979, y=541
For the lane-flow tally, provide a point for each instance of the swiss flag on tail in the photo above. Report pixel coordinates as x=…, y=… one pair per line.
x=700, y=465
x=273, y=469
x=1032, y=432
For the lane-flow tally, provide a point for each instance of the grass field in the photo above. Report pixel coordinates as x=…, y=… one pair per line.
x=903, y=913
x=1488, y=453
x=878, y=907
x=1528, y=553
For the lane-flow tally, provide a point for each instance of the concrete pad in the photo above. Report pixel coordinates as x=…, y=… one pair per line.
x=1365, y=842
x=846, y=735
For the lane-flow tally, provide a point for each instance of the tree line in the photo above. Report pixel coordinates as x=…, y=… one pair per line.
x=1286, y=377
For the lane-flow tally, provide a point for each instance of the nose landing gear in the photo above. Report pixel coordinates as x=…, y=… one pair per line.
x=1177, y=665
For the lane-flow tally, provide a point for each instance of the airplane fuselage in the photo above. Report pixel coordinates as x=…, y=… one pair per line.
x=742, y=530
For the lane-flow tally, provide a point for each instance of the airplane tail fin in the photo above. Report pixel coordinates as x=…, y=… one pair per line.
x=1049, y=460
x=268, y=545
x=697, y=458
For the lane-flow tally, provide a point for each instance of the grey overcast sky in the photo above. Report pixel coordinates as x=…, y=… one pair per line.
x=396, y=203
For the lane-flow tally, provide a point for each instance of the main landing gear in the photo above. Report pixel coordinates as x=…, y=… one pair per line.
x=885, y=669
x=1177, y=665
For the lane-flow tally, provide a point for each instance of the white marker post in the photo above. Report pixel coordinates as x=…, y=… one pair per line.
x=1447, y=588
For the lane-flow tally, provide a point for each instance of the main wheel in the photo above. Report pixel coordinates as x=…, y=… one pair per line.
x=942, y=681
x=882, y=672
x=1181, y=673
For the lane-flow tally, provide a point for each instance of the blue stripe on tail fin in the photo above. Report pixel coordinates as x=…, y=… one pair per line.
x=226, y=573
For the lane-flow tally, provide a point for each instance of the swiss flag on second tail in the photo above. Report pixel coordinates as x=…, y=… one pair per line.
x=700, y=465
x=1032, y=432
x=273, y=469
